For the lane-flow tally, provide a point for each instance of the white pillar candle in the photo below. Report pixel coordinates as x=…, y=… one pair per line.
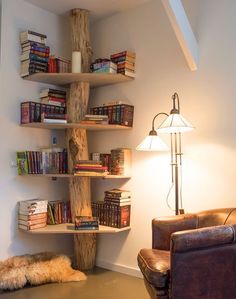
x=76, y=62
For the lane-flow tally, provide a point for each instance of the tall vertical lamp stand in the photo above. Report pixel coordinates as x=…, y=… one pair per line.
x=174, y=124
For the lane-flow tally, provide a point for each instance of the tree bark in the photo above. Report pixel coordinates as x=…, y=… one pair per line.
x=77, y=105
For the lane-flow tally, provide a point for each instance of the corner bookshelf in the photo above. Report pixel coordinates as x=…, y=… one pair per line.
x=89, y=127
x=68, y=228
x=76, y=134
x=64, y=79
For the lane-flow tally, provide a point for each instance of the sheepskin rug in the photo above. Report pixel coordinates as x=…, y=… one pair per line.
x=40, y=268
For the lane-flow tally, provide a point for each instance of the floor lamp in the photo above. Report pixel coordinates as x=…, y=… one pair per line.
x=174, y=124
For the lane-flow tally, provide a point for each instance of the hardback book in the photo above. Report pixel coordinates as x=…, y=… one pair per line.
x=22, y=163
x=33, y=203
x=123, y=53
x=118, y=193
x=54, y=121
x=33, y=217
x=48, y=91
x=34, y=46
x=33, y=226
x=123, y=216
x=29, y=35
x=31, y=211
x=123, y=59
x=121, y=161
x=105, y=70
x=105, y=64
x=34, y=55
x=126, y=72
x=33, y=222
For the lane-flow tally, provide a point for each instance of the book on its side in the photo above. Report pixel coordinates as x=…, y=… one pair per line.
x=54, y=121
x=32, y=217
x=29, y=35
x=32, y=222
x=33, y=226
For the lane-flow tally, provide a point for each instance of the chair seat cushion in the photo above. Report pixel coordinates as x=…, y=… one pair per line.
x=155, y=266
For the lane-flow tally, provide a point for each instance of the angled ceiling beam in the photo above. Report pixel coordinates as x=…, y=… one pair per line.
x=183, y=31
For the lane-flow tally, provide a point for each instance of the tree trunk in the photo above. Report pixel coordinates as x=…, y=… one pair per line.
x=77, y=105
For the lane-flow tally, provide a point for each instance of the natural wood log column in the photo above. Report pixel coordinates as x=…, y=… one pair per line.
x=77, y=104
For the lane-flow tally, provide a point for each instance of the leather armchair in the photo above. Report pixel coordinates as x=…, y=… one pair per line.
x=192, y=256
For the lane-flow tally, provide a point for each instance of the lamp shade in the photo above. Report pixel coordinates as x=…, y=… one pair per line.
x=152, y=143
x=175, y=123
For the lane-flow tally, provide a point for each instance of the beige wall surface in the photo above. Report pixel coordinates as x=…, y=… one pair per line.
x=19, y=16
x=207, y=99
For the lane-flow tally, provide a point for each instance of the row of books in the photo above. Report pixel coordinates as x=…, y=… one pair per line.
x=111, y=214
x=86, y=223
x=90, y=167
x=45, y=161
x=57, y=64
x=35, y=53
x=37, y=112
x=32, y=214
x=58, y=212
x=119, y=114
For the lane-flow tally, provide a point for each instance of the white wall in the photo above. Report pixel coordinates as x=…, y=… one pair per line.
x=207, y=100
x=17, y=16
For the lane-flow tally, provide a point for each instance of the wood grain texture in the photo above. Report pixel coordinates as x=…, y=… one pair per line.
x=77, y=105
x=81, y=37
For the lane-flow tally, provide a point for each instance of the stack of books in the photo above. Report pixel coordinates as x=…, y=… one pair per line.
x=90, y=167
x=118, y=113
x=115, y=210
x=125, y=62
x=86, y=223
x=32, y=214
x=118, y=197
x=59, y=64
x=95, y=119
x=59, y=212
x=34, y=112
x=35, y=53
x=46, y=161
x=103, y=66
x=121, y=161
x=52, y=96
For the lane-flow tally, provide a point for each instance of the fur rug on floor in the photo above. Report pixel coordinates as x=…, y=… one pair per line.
x=36, y=269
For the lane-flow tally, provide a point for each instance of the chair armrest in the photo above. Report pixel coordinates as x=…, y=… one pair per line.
x=202, y=238
x=163, y=227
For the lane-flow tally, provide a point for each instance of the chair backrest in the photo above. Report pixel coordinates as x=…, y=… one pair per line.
x=216, y=217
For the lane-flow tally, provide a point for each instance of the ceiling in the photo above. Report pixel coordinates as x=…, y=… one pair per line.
x=98, y=8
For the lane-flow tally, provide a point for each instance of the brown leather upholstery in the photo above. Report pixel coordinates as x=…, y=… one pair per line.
x=193, y=256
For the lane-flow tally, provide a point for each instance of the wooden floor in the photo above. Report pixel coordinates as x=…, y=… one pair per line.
x=101, y=284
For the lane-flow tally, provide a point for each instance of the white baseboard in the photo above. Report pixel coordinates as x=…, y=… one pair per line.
x=119, y=268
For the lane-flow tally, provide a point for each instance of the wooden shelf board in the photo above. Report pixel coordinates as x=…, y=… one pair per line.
x=95, y=79
x=91, y=127
x=68, y=228
x=102, y=176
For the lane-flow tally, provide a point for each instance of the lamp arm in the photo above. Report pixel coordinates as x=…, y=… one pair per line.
x=176, y=97
x=153, y=121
